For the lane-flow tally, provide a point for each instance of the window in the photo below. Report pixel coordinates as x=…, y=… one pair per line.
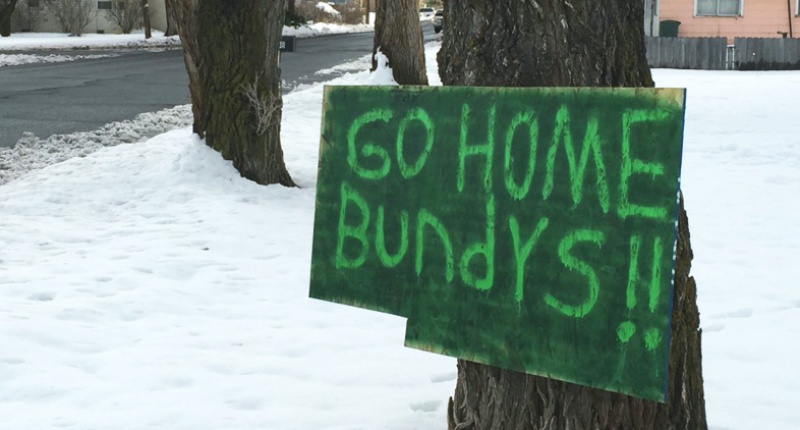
x=718, y=7
x=104, y=5
x=33, y=3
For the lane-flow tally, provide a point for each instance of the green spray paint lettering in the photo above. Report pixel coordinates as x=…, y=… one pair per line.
x=368, y=149
x=581, y=310
x=653, y=287
x=515, y=190
x=425, y=218
x=357, y=233
x=633, y=166
x=465, y=148
x=577, y=167
x=414, y=115
x=387, y=259
x=522, y=251
x=485, y=249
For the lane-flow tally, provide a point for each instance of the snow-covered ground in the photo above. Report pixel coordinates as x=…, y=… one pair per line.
x=147, y=285
x=59, y=41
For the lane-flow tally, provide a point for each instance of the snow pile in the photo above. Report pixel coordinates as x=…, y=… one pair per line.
x=54, y=41
x=330, y=10
x=18, y=59
x=32, y=153
x=324, y=28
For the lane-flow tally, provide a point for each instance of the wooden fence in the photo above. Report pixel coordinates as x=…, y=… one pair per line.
x=766, y=54
x=714, y=53
x=687, y=53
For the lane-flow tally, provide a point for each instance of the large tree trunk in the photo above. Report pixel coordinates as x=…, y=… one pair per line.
x=556, y=43
x=398, y=35
x=544, y=43
x=231, y=55
x=6, y=9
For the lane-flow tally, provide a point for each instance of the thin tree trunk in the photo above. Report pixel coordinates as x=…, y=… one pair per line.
x=398, y=35
x=231, y=55
x=290, y=7
x=5, y=18
x=146, y=18
x=556, y=43
x=172, y=22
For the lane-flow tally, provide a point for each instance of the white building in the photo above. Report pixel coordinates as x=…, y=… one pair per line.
x=100, y=22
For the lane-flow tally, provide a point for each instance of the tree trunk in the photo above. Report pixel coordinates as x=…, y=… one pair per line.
x=398, y=35
x=146, y=18
x=231, y=55
x=544, y=43
x=172, y=22
x=6, y=9
x=290, y=7
x=292, y=19
x=555, y=43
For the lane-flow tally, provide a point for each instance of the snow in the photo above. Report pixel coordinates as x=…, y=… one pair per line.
x=325, y=7
x=18, y=59
x=27, y=41
x=32, y=152
x=324, y=28
x=147, y=285
x=741, y=180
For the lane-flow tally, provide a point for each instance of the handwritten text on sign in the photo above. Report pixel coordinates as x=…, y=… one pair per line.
x=531, y=228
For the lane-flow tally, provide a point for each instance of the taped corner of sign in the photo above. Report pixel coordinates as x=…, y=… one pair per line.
x=675, y=96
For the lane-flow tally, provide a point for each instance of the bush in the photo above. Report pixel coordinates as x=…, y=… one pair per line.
x=28, y=15
x=294, y=20
x=127, y=14
x=73, y=15
x=351, y=14
x=310, y=11
x=348, y=13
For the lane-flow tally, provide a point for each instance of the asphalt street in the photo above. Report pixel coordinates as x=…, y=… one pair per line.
x=51, y=98
x=83, y=95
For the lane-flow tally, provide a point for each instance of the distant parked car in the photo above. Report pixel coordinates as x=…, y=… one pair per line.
x=425, y=13
x=438, y=18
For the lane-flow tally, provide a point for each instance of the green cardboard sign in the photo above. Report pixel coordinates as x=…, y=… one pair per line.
x=531, y=229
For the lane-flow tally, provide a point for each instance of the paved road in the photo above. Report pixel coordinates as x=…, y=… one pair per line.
x=53, y=98
x=85, y=94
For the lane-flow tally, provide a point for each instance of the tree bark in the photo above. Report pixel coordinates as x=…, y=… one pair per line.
x=6, y=9
x=398, y=35
x=290, y=7
x=544, y=43
x=146, y=18
x=172, y=22
x=555, y=43
x=231, y=56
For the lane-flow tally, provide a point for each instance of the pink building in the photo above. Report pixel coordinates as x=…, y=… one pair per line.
x=733, y=18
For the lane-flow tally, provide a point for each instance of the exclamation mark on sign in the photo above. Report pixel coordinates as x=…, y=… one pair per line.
x=626, y=330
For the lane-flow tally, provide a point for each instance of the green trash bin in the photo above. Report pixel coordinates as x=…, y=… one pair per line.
x=668, y=28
